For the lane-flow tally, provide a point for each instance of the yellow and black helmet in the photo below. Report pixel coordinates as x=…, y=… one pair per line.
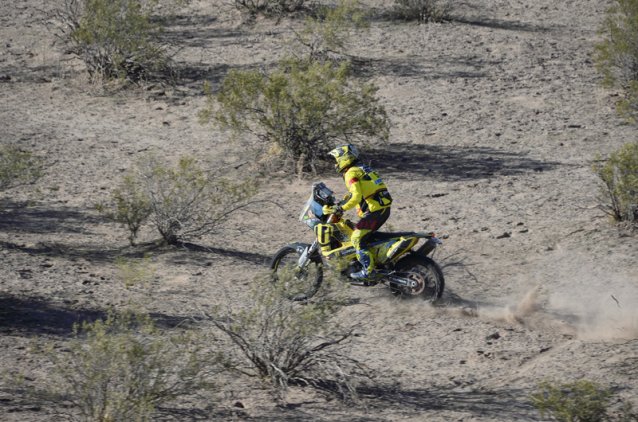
x=345, y=155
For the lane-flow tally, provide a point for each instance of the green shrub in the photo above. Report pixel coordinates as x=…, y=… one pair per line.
x=123, y=367
x=131, y=206
x=422, y=10
x=18, y=167
x=187, y=202
x=329, y=30
x=182, y=201
x=287, y=343
x=301, y=110
x=620, y=178
x=617, y=54
x=116, y=39
x=277, y=8
x=579, y=401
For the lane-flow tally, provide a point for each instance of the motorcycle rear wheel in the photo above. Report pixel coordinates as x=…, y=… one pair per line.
x=297, y=283
x=427, y=275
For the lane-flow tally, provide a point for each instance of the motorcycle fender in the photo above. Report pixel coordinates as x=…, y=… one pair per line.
x=428, y=246
x=402, y=246
x=301, y=247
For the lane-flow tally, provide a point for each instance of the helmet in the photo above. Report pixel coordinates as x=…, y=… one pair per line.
x=345, y=155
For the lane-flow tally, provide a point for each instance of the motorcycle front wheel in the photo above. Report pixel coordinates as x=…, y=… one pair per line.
x=426, y=276
x=297, y=283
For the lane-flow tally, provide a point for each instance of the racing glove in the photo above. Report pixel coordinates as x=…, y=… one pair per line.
x=332, y=209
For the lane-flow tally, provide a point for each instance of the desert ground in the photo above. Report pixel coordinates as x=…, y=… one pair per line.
x=497, y=116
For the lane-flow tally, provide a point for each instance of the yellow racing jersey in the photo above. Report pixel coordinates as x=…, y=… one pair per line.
x=367, y=190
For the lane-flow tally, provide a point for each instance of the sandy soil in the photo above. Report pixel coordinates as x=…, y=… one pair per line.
x=497, y=117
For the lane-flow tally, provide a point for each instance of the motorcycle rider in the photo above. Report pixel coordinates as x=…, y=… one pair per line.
x=369, y=195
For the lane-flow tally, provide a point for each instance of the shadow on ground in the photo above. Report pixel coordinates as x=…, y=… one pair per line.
x=452, y=163
x=248, y=257
x=501, y=405
x=504, y=405
x=193, y=76
x=185, y=254
x=28, y=316
x=440, y=68
x=507, y=25
x=390, y=15
x=18, y=217
x=37, y=316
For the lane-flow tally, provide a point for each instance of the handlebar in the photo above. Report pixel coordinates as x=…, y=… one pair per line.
x=333, y=218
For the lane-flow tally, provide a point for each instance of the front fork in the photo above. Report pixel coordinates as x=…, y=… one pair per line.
x=307, y=252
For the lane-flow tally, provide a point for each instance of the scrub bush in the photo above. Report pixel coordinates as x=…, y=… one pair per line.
x=617, y=54
x=130, y=206
x=329, y=29
x=274, y=8
x=300, y=110
x=181, y=201
x=619, y=174
x=116, y=39
x=123, y=367
x=421, y=10
x=286, y=343
x=579, y=401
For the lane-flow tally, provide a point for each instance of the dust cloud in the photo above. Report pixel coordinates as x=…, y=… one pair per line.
x=598, y=300
x=613, y=316
x=574, y=296
x=594, y=302
x=515, y=313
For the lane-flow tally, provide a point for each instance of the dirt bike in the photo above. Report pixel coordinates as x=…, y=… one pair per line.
x=408, y=271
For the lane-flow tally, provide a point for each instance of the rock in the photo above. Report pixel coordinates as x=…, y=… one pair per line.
x=504, y=235
x=493, y=336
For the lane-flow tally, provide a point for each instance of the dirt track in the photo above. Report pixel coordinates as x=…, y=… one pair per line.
x=497, y=117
